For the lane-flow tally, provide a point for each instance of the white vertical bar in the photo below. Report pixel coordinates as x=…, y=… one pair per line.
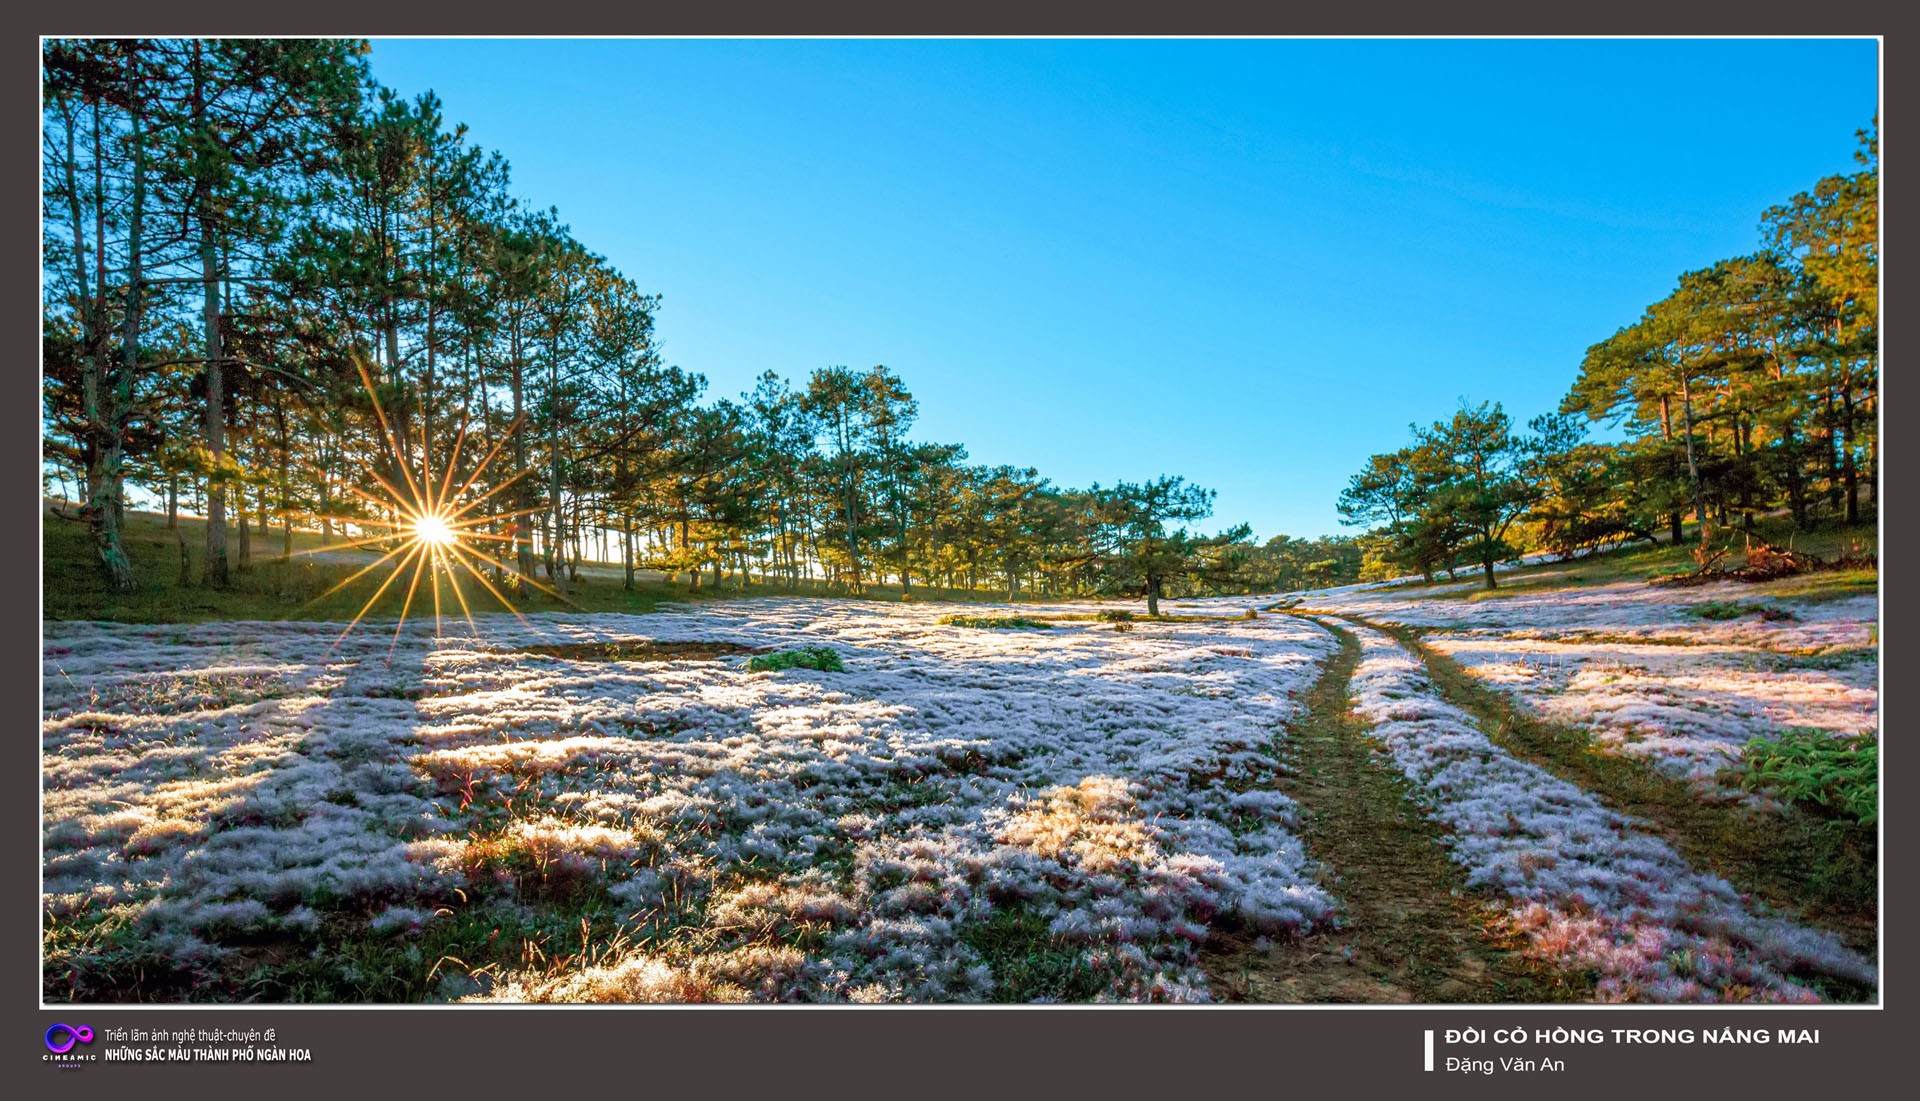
x=1429, y=1049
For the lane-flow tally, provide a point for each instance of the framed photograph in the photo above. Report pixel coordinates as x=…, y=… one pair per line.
x=756, y=528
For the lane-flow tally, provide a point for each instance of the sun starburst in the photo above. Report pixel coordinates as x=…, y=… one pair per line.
x=434, y=530
x=431, y=529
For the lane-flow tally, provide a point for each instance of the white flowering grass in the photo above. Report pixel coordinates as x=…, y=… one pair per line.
x=1646, y=676
x=1688, y=711
x=776, y=835
x=1586, y=886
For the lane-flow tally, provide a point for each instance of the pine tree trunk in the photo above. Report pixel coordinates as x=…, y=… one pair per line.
x=246, y=543
x=523, y=523
x=1833, y=449
x=285, y=489
x=1849, y=473
x=626, y=547
x=326, y=493
x=1795, y=477
x=106, y=387
x=429, y=287
x=579, y=542
x=1666, y=435
x=214, y=571
x=556, y=545
x=1693, y=467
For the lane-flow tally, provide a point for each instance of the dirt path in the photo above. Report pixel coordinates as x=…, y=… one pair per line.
x=1822, y=874
x=1410, y=931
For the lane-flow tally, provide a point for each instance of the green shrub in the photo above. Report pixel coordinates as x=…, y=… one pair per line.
x=1718, y=610
x=1838, y=774
x=807, y=657
x=1115, y=615
x=1729, y=609
x=1006, y=623
x=1721, y=610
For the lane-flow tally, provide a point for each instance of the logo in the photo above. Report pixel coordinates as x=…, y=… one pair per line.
x=62, y=1038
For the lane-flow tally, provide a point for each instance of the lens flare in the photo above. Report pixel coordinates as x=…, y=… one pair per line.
x=435, y=530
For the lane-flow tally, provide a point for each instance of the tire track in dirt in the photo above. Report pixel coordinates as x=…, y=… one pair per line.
x=1409, y=929
x=1825, y=877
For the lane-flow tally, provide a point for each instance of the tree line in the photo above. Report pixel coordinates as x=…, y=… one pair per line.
x=1750, y=389
x=253, y=252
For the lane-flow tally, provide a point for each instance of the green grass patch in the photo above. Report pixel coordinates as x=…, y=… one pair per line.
x=105, y=958
x=818, y=658
x=643, y=650
x=1722, y=610
x=1551, y=581
x=1718, y=610
x=997, y=623
x=102, y=956
x=1817, y=588
x=1141, y=617
x=1837, y=775
x=1029, y=963
x=450, y=957
x=1829, y=660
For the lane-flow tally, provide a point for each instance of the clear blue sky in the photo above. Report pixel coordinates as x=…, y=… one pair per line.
x=1249, y=262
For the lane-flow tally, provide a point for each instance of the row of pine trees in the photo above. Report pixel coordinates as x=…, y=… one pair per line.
x=253, y=251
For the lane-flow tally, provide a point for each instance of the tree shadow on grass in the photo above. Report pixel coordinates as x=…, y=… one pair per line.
x=212, y=790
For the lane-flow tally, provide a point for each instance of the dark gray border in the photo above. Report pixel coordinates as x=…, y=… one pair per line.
x=1069, y=1052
